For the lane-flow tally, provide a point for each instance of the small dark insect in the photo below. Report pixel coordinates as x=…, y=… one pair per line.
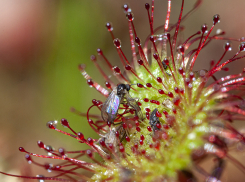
x=110, y=107
x=164, y=65
x=154, y=120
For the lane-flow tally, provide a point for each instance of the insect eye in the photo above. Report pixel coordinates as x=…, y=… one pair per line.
x=120, y=88
x=127, y=87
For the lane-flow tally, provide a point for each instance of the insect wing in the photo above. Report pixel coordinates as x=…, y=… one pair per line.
x=153, y=117
x=111, y=137
x=132, y=102
x=122, y=132
x=154, y=120
x=110, y=107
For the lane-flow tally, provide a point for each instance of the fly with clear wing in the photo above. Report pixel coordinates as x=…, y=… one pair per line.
x=110, y=107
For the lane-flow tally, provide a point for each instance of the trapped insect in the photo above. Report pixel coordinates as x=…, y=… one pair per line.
x=111, y=105
x=116, y=135
x=154, y=120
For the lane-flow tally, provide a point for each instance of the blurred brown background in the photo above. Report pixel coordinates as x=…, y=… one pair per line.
x=41, y=44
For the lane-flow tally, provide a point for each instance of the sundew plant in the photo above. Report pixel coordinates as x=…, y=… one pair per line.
x=161, y=118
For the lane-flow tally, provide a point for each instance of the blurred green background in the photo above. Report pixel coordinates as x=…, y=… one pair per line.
x=41, y=45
